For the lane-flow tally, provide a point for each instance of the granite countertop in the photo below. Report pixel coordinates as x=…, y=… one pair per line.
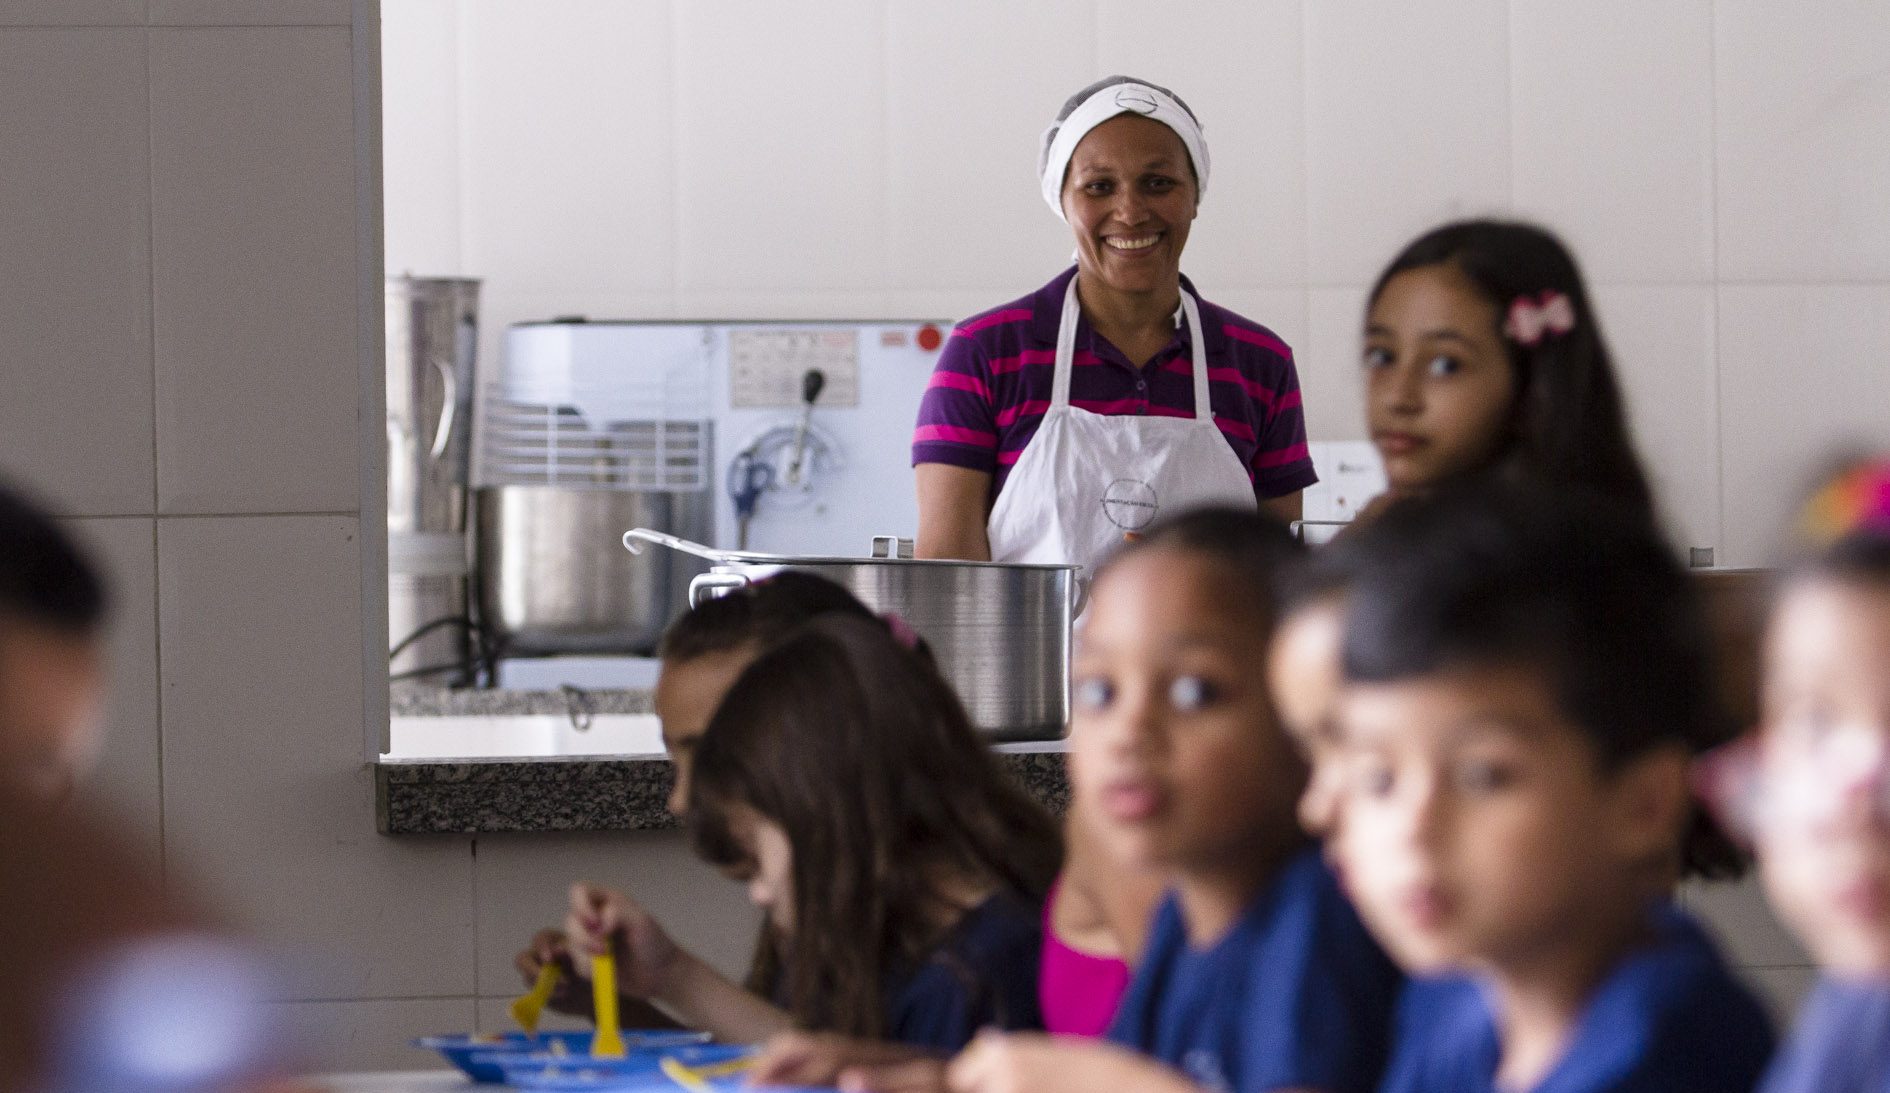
x=577, y=793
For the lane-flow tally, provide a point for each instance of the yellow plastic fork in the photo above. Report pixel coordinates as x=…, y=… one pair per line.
x=528, y=1007
x=696, y=1078
x=608, y=1043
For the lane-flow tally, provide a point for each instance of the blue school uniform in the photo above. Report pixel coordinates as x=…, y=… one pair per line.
x=1670, y=1019
x=983, y=974
x=1295, y=995
x=1840, y=1045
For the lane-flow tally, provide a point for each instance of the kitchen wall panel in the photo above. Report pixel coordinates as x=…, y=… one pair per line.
x=129, y=778
x=536, y=73
x=266, y=795
x=1802, y=377
x=524, y=883
x=1803, y=100
x=1331, y=379
x=236, y=13
x=373, y=1035
x=75, y=296
x=781, y=160
x=1661, y=337
x=252, y=138
x=1612, y=114
x=1407, y=124
x=960, y=157
x=1745, y=924
x=72, y=13
x=421, y=164
x=1240, y=67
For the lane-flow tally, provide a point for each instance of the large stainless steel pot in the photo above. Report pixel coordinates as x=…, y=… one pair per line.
x=551, y=580
x=1000, y=630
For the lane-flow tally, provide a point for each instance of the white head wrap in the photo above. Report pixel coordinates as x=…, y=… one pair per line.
x=1098, y=103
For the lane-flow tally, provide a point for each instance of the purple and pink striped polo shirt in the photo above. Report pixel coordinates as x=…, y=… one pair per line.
x=991, y=389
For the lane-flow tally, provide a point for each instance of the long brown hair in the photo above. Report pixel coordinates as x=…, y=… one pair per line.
x=862, y=754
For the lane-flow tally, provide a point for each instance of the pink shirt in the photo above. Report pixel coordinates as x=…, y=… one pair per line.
x=1077, y=992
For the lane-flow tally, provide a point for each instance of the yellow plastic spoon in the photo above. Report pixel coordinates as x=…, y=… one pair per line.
x=527, y=1007
x=696, y=1078
x=608, y=1043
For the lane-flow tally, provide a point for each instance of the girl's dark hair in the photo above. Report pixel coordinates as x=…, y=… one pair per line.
x=862, y=754
x=757, y=614
x=1845, y=524
x=45, y=579
x=1482, y=576
x=1569, y=422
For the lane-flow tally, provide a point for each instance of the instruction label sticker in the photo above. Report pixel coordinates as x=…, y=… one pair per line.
x=766, y=366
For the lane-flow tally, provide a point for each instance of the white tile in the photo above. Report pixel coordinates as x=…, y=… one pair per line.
x=420, y=150
x=788, y=303
x=495, y=1014
x=961, y=198
x=1239, y=68
x=129, y=778
x=1739, y=917
x=1635, y=199
x=72, y=13
x=258, y=376
x=1804, y=107
x=1661, y=338
x=1802, y=380
x=236, y=13
x=267, y=795
x=1407, y=125
x=569, y=161
x=339, y=1037
x=1331, y=380
x=524, y=881
x=1782, y=989
x=75, y=306
x=781, y=147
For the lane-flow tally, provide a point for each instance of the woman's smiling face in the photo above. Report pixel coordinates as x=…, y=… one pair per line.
x=1130, y=197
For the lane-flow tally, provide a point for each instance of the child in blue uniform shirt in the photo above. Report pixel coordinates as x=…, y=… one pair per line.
x=1257, y=974
x=1527, y=682
x=1819, y=808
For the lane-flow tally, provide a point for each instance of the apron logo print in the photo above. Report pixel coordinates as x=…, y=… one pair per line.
x=1134, y=98
x=1130, y=503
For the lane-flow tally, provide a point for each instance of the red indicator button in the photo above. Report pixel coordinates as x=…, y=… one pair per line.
x=930, y=338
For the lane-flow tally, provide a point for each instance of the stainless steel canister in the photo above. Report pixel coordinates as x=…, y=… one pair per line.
x=1000, y=631
x=553, y=580
x=432, y=335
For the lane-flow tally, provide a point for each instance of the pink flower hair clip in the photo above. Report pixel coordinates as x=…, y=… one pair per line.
x=1531, y=320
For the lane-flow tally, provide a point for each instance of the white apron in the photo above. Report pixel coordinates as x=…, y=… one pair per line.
x=1086, y=481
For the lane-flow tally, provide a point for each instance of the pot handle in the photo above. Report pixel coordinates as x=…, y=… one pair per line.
x=671, y=541
x=707, y=586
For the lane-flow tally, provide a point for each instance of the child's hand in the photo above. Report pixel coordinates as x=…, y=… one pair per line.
x=813, y=1058
x=1034, y=1063
x=605, y=921
x=569, y=996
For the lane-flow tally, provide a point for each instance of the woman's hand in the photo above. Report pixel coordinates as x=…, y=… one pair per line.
x=1034, y=1063
x=603, y=920
x=568, y=995
x=817, y=1058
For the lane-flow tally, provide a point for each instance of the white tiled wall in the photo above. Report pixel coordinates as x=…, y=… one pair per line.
x=655, y=158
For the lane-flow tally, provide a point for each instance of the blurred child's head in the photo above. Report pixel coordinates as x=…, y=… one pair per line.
x=52, y=679
x=844, y=779
x=709, y=645
x=1175, y=750
x=1823, y=814
x=1483, y=352
x=1305, y=672
x=1526, y=682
